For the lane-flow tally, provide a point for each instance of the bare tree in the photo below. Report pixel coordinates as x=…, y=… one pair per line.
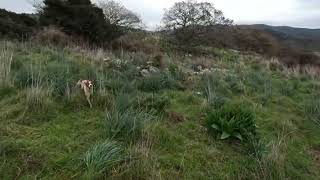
x=37, y=5
x=119, y=15
x=186, y=13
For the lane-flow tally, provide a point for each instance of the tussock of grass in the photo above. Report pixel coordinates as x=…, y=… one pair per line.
x=6, y=55
x=271, y=165
x=312, y=109
x=124, y=122
x=215, y=90
x=103, y=157
x=38, y=98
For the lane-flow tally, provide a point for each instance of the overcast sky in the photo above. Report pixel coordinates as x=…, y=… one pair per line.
x=298, y=13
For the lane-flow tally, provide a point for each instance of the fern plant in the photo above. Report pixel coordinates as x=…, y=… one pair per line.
x=232, y=121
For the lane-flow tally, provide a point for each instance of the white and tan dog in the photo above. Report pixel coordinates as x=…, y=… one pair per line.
x=87, y=87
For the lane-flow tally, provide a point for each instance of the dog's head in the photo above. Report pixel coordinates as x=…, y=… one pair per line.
x=86, y=83
x=90, y=84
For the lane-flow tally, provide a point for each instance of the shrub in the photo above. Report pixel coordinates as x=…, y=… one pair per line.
x=124, y=122
x=158, y=81
x=102, y=157
x=80, y=18
x=137, y=42
x=52, y=36
x=232, y=121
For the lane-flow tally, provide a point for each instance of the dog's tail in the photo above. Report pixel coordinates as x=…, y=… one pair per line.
x=79, y=83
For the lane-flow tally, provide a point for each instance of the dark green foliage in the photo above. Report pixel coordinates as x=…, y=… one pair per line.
x=232, y=121
x=78, y=18
x=17, y=26
x=158, y=81
x=6, y=91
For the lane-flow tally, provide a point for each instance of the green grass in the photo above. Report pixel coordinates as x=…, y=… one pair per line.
x=102, y=157
x=47, y=129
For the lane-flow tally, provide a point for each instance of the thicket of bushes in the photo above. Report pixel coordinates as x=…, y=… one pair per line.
x=16, y=26
x=75, y=18
x=80, y=18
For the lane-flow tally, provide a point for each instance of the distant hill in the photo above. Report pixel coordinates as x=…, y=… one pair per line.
x=16, y=26
x=302, y=38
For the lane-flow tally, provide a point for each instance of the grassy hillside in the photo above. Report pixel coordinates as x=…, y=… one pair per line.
x=301, y=38
x=162, y=126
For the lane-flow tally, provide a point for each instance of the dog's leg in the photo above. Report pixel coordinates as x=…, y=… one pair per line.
x=88, y=95
x=88, y=99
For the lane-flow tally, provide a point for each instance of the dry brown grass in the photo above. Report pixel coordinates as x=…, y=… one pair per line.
x=138, y=41
x=52, y=35
x=311, y=71
x=274, y=64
